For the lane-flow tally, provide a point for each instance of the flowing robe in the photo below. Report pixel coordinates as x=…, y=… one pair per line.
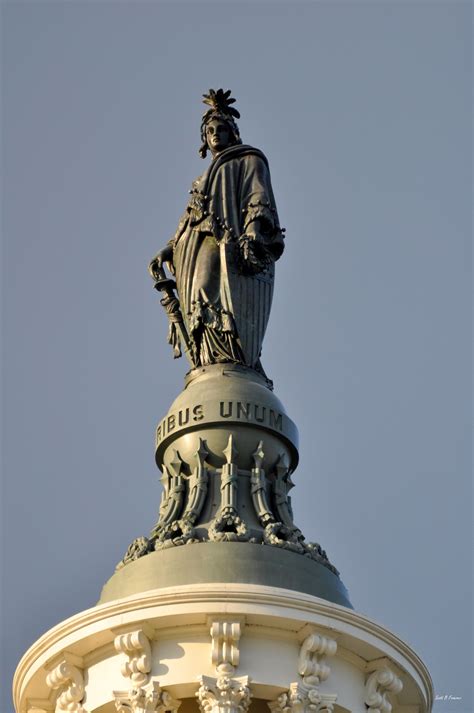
x=224, y=289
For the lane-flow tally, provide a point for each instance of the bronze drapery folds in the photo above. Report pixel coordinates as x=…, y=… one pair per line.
x=224, y=249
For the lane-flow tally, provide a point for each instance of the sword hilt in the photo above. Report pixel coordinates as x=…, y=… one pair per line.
x=170, y=302
x=164, y=284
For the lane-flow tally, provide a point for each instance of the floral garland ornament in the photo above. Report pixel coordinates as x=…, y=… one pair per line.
x=228, y=528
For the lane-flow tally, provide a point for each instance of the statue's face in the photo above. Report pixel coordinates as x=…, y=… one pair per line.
x=218, y=136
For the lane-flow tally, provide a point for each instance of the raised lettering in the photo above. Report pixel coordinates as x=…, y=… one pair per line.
x=171, y=422
x=158, y=433
x=198, y=414
x=257, y=417
x=276, y=420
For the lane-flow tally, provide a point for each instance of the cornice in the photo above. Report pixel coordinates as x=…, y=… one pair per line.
x=227, y=596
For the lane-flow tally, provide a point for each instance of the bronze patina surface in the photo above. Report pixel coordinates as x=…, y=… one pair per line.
x=226, y=447
x=224, y=249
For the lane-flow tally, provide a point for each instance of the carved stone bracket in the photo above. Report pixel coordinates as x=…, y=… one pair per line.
x=377, y=686
x=328, y=701
x=311, y=664
x=69, y=680
x=224, y=694
x=151, y=699
x=304, y=696
x=136, y=646
x=225, y=637
x=301, y=698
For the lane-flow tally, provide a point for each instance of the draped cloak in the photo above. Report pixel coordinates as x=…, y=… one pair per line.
x=226, y=305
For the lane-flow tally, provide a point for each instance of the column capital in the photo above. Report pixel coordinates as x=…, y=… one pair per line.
x=301, y=698
x=224, y=694
x=149, y=699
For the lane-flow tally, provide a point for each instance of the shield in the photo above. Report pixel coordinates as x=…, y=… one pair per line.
x=249, y=299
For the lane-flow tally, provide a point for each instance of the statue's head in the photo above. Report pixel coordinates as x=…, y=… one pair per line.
x=218, y=127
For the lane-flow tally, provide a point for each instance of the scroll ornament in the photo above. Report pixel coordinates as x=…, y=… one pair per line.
x=137, y=665
x=225, y=637
x=305, y=696
x=312, y=665
x=70, y=682
x=378, y=685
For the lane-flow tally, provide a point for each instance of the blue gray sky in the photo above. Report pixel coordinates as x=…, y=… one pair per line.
x=364, y=111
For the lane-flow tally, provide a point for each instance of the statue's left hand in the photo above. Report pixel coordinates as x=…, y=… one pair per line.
x=254, y=258
x=252, y=231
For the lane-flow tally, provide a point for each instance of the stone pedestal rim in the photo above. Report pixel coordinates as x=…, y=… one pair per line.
x=231, y=562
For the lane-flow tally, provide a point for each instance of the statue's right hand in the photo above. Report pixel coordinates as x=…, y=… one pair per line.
x=156, y=265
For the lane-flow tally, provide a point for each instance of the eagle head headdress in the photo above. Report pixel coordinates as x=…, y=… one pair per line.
x=220, y=103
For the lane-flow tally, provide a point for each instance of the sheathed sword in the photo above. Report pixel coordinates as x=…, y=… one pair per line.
x=177, y=332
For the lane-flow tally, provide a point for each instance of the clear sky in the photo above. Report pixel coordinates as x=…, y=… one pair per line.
x=363, y=109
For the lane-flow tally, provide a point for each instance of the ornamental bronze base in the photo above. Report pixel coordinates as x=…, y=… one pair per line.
x=227, y=450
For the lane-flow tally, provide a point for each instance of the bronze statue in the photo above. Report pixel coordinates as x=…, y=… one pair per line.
x=226, y=447
x=223, y=252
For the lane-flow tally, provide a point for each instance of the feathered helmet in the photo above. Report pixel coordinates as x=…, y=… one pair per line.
x=220, y=108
